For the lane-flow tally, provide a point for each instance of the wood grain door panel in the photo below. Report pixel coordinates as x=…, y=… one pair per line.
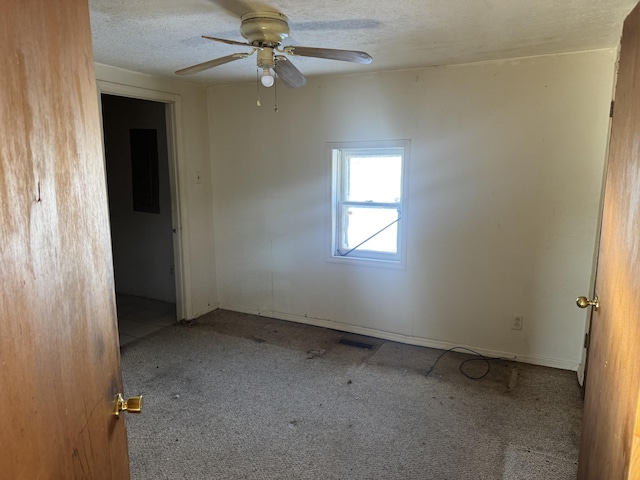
x=610, y=430
x=59, y=355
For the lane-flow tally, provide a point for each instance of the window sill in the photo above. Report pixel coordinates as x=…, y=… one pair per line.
x=369, y=262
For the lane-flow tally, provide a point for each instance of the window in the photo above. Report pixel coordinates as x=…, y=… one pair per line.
x=368, y=201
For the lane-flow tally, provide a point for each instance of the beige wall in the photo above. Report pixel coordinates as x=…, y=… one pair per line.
x=195, y=199
x=504, y=187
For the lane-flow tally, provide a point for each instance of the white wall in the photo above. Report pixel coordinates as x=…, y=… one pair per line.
x=505, y=176
x=196, y=216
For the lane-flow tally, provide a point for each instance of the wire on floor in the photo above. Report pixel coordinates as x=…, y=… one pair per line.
x=468, y=360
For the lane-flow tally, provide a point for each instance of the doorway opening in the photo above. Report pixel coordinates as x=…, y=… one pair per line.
x=138, y=163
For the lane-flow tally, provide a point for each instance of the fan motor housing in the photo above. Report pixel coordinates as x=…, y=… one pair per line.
x=264, y=28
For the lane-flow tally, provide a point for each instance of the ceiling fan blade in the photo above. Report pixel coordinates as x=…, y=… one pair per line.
x=288, y=73
x=224, y=40
x=351, y=24
x=331, y=54
x=212, y=63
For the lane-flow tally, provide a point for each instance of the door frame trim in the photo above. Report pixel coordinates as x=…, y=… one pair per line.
x=581, y=372
x=175, y=147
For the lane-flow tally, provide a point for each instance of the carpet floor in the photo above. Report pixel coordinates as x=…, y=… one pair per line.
x=236, y=396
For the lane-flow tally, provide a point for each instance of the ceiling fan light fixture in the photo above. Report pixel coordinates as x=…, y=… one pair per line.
x=267, y=79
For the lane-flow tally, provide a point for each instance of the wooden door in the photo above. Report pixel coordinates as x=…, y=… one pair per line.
x=610, y=442
x=59, y=356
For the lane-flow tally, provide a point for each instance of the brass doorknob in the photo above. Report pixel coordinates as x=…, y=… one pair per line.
x=584, y=302
x=133, y=405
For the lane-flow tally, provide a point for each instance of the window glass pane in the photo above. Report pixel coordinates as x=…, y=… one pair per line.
x=375, y=179
x=362, y=222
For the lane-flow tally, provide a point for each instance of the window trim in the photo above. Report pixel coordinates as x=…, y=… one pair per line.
x=372, y=258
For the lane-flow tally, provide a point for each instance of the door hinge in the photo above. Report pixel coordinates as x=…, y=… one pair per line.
x=586, y=340
x=611, y=108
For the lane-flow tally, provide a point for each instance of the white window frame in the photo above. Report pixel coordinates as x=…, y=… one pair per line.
x=338, y=153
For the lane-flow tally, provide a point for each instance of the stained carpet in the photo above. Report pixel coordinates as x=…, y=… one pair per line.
x=235, y=396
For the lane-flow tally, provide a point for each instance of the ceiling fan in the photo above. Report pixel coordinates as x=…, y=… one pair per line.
x=265, y=31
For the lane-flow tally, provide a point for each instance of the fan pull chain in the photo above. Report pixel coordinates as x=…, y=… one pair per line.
x=275, y=92
x=258, y=88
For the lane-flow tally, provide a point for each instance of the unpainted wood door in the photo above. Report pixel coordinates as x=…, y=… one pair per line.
x=610, y=443
x=59, y=356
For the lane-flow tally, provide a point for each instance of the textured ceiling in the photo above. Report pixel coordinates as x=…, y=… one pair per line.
x=160, y=36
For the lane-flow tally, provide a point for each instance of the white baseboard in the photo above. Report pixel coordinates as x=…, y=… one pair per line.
x=209, y=309
x=408, y=339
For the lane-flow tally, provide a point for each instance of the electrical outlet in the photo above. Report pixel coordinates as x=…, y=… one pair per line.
x=517, y=322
